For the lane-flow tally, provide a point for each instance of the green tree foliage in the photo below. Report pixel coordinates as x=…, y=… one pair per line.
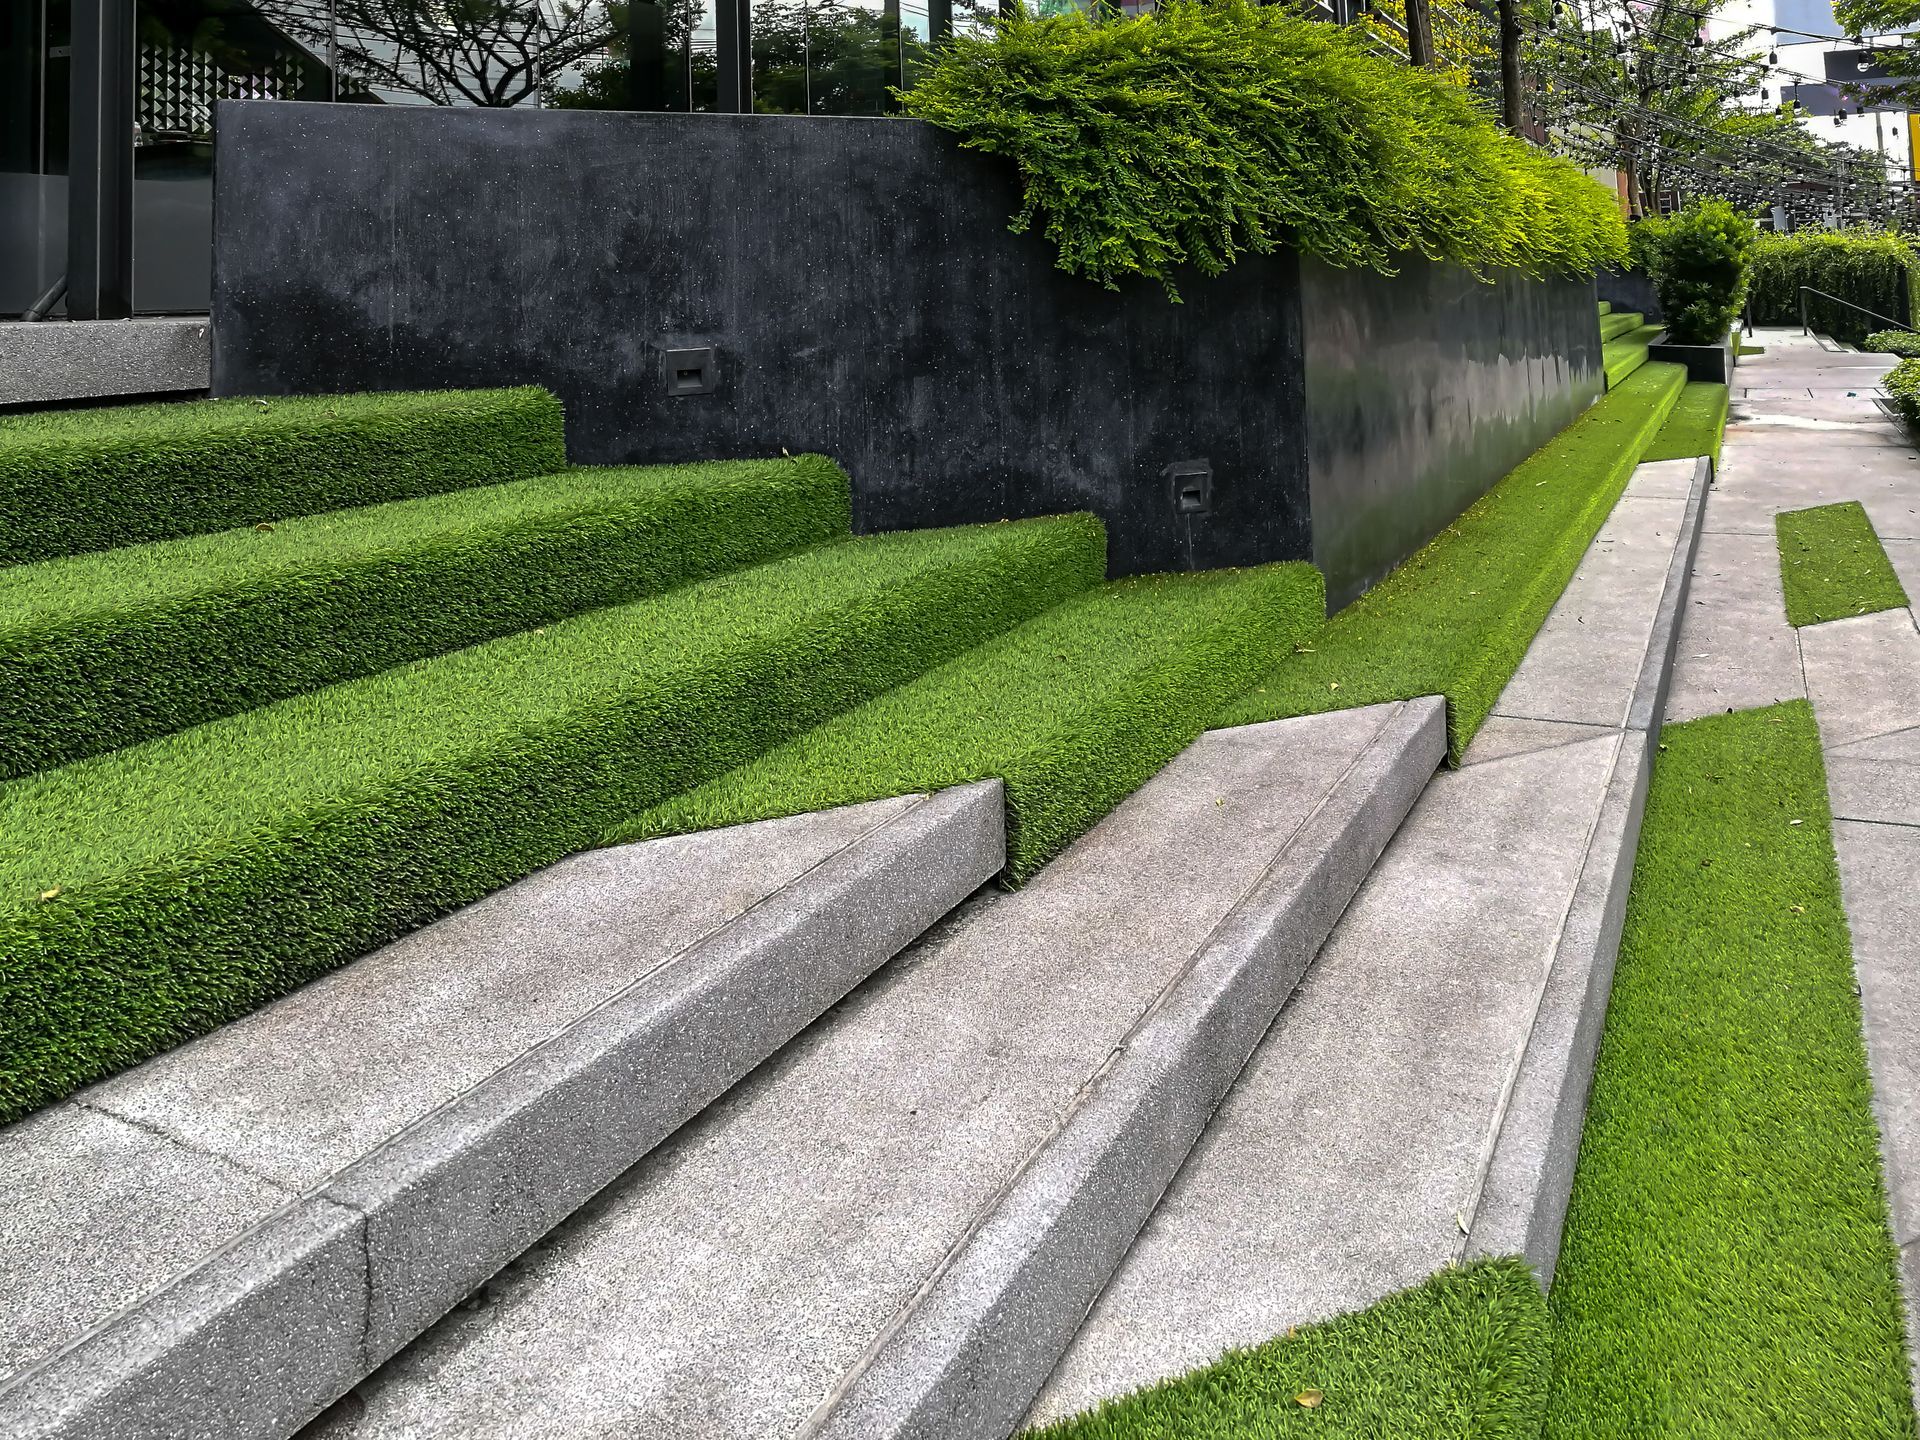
x=1701, y=260
x=1206, y=131
x=827, y=57
x=1876, y=269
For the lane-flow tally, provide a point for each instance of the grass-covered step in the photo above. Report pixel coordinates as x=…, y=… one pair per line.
x=1628, y=353
x=1832, y=564
x=1606, y=307
x=103, y=650
x=1614, y=325
x=1696, y=426
x=1464, y=1356
x=76, y=480
x=1727, y=1268
x=153, y=893
x=1073, y=710
x=1457, y=617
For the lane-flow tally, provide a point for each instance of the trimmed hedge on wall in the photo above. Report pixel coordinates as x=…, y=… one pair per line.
x=1074, y=711
x=106, y=650
x=78, y=480
x=1874, y=268
x=1211, y=128
x=1903, y=343
x=152, y=894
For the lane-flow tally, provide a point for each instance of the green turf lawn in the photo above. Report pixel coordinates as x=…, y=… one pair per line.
x=1695, y=427
x=1832, y=566
x=1457, y=617
x=78, y=480
x=1074, y=710
x=108, y=649
x=1462, y=1357
x=1727, y=1271
x=1624, y=356
x=150, y=894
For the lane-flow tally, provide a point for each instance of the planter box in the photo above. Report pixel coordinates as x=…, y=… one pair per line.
x=1703, y=362
x=848, y=286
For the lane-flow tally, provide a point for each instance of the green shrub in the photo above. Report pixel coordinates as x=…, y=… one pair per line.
x=76, y=480
x=1902, y=384
x=1074, y=711
x=1209, y=129
x=1456, y=619
x=1903, y=343
x=1873, y=268
x=108, y=649
x=1701, y=261
x=151, y=894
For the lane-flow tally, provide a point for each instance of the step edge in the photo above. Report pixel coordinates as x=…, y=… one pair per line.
x=244, y=1312
x=1526, y=1184
x=979, y=1341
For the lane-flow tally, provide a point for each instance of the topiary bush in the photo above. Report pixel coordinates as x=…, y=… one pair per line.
x=1701, y=260
x=1877, y=269
x=1210, y=129
x=1903, y=343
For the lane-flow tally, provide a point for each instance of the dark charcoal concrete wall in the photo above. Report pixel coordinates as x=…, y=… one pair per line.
x=855, y=275
x=1630, y=290
x=1424, y=389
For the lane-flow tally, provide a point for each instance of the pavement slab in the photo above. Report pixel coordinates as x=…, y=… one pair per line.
x=724, y=1286
x=1863, y=675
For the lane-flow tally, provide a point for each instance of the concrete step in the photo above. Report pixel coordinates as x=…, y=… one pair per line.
x=224, y=1240
x=746, y=1278
x=1420, y=1099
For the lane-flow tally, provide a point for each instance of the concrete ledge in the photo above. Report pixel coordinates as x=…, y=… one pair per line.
x=256, y=1338
x=1528, y=1175
x=975, y=1346
x=44, y=362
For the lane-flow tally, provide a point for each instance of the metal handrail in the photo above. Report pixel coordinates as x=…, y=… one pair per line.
x=1805, y=329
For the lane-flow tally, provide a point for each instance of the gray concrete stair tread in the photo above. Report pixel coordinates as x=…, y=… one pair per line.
x=1343, y=1164
x=1418, y=1101
x=727, y=1284
x=427, y=1055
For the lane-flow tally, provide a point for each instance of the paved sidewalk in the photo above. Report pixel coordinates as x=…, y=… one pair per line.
x=1804, y=431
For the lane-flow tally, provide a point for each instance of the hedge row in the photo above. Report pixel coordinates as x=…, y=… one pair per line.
x=1874, y=268
x=109, y=649
x=154, y=893
x=1209, y=129
x=1902, y=384
x=78, y=480
x=1456, y=619
x=1904, y=343
x=1074, y=711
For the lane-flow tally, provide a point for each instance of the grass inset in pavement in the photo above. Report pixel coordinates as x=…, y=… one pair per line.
x=1832, y=566
x=1457, y=617
x=1695, y=427
x=1461, y=1357
x=1727, y=1269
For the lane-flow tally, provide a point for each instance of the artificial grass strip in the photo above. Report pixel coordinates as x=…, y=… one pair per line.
x=1620, y=322
x=1832, y=565
x=109, y=649
x=1623, y=356
x=79, y=480
x=153, y=893
x=1074, y=711
x=1727, y=1268
x=1695, y=427
x=1462, y=1357
x=1457, y=617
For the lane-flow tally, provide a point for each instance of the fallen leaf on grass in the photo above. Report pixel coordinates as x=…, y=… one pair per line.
x=1308, y=1399
x=49, y=894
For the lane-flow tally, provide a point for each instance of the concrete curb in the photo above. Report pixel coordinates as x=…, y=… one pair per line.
x=260, y=1337
x=973, y=1348
x=1528, y=1177
x=47, y=361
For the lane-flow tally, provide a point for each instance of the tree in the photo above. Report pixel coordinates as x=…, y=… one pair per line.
x=451, y=52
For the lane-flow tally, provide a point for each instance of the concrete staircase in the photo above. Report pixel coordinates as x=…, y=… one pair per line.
x=801, y=1128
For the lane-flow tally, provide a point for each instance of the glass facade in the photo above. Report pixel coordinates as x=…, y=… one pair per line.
x=791, y=57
